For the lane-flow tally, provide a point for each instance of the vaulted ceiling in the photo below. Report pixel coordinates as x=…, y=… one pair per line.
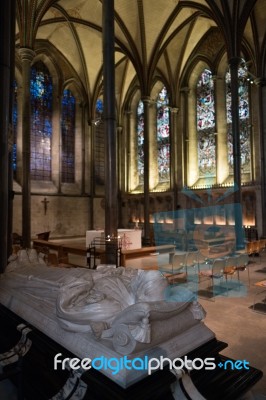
x=154, y=39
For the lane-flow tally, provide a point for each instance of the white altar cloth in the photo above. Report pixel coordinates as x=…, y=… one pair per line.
x=130, y=238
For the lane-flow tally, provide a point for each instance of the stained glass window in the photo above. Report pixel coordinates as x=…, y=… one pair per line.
x=15, y=124
x=68, y=122
x=99, y=144
x=206, y=125
x=140, y=138
x=163, y=136
x=244, y=120
x=41, y=89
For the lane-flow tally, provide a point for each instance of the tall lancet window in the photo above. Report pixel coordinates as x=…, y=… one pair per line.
x=206, y=125
x=140, y=138
x=41, y=89
x=14, y=126
x=163, y=136
x=244, y=121
x=99, y=170
x=68, y=122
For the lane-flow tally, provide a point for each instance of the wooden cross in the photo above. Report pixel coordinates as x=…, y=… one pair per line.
x=45, y=203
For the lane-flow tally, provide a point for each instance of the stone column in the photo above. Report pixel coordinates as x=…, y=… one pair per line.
x=233, y=64
x=221, y=129
x=7, y=35
x=261, y=82
x=120, y=162
x=109, y=115
x=27, y=56
x=192, y=144
x=146, y=102
x=12, y=17
x=184, y=127
x=131, y=164
x=153, y=147
x=83, y=147
x=176, y=154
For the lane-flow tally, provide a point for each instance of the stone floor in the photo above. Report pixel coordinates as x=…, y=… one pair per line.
x=235, y=323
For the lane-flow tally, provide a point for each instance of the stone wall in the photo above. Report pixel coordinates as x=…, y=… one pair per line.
x=64, y=215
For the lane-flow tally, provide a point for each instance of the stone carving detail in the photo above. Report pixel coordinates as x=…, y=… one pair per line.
x=74, y=388
x=19, y=350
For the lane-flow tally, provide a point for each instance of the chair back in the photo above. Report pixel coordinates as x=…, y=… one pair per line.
x=179, y=261
x=230, y=265
x=250, y=248
x=192, y=259
x=242, y=260
x=218, y=267
x=262, y=244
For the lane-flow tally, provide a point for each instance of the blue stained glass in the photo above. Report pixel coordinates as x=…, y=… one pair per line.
x=244, y=120
x=140, y=136
x=206, y=125
x=163, y=136
x=68, y=123
x=99, y=106
x=41, y=89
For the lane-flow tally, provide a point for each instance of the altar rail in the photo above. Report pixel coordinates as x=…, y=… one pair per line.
x=62, y=248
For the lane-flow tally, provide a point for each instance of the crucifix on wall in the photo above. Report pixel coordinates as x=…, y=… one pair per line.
x=45, y=205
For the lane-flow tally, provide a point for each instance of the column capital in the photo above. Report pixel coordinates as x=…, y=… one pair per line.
x=128, y=112
x=260, y=82
x=26, y=54
x=146, y=99
x=119, y=129
x=174, y=110
x=217, y=78
x=185, y=89
x=234, y=62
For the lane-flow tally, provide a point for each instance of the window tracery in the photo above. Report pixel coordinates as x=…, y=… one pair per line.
x=140, y=138
x=163, y=136
x=206, y=125
x=244, y=120
x=41, y=90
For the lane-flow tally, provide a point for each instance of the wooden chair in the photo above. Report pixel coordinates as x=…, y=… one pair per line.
x=253, y=249
x=230, y=266
x=242, y=262
x=213, y=271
